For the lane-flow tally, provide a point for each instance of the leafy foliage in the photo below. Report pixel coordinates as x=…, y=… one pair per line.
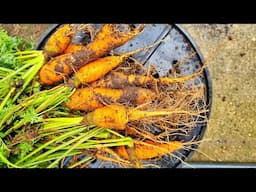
x=8, y=46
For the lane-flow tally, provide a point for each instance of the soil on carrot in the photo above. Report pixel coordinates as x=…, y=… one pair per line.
x=231, y=133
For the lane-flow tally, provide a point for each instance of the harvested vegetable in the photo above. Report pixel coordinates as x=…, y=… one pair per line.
x=117, y=116
x=59, y=40
x=66, y=37
x=87, y=99
x=82, y=37
x=119, y=80
x=108, y=38
x=72, y=48
x=100, y=67
x=56, y=69
x=149, y=149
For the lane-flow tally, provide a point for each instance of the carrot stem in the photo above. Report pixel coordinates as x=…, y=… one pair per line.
x=50, y=158
x=80, y=139
x=60, y=138
x=7, y=97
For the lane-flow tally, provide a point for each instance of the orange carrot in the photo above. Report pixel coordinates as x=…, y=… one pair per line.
x=111, y=36
x=84, y=35
x=111, y=116
x=95, y=70
x=55, y=70
x=117, y=116
x=119, y=80
x=72, y=48
x=87, y=99
x=59, y=40
x=100, y=67
x=106, y=39
x=149, y=149
x=103, y=38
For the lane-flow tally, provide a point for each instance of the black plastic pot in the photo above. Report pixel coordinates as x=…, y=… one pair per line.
x=178, y=46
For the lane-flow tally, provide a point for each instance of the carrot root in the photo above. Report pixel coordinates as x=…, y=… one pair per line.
x=59, y=41
x=117, y=116
x=148, y=149
x=87, y=99
x=105, y=40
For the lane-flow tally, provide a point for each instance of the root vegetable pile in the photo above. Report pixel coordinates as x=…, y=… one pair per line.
x=108, y=38
x=77, y=101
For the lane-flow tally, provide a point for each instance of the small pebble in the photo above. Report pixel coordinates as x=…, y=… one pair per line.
x=242, y=54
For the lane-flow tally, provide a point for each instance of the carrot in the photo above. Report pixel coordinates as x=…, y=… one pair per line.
x=149, y=149
x=95, y=70
x=105, y=40
x=55, y=70
x=100, y=67
x=87, y=99
x=117, y=116
x=111, y=36
x=59, y=40
x=119, y=80
x=107, y=29
x=84, y=35
x=72, y=48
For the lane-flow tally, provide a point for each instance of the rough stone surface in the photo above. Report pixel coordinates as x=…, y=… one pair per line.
x=231, y=134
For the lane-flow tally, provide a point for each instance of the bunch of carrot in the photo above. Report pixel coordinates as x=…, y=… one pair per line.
x=141, y=112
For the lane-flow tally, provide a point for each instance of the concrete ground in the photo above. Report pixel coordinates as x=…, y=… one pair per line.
x=231, y=133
